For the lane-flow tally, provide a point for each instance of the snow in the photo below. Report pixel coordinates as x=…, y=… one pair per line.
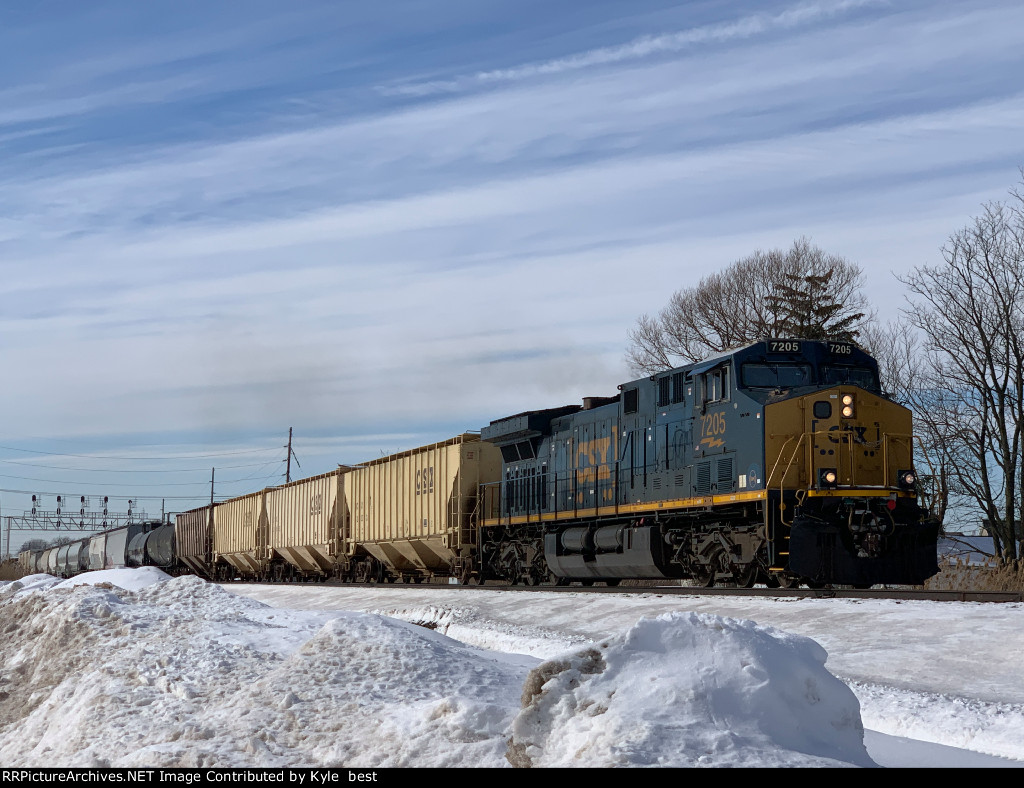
x=132, y=668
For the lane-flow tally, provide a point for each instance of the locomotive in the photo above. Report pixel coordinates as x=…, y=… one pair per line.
x=779, y=463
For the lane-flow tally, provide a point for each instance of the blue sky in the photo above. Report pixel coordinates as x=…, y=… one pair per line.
x=383, y=224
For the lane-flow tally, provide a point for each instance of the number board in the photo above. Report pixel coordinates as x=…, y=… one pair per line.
x=783, y=346
x=840, y=348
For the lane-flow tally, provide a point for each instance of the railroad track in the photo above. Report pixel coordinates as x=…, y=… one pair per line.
x=906, y=594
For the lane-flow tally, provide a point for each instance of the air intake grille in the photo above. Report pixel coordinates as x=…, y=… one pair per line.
x=702, y=486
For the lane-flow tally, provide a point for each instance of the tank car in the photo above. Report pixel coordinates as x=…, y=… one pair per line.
x=153, y=546
x=781, y=462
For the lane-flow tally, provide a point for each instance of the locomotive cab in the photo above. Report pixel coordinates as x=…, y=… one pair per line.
x=842, y=485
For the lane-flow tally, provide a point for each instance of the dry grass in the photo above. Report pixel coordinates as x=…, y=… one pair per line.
x=961, y=576
x=9, y=570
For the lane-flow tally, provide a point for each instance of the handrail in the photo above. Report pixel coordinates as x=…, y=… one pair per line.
x=771, y=475
x=782, y=518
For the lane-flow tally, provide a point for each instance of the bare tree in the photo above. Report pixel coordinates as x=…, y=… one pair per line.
x=801, y=292
x=908, y=376
x=60, y=541
x=970, y=311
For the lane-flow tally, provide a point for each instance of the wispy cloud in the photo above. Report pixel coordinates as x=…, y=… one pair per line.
x=641, y=47
x=269, y=242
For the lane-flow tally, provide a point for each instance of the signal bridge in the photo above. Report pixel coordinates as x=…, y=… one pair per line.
x=80, y=522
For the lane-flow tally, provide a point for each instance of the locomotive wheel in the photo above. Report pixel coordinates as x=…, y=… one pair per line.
x=704, y=576
x=788, y=581
x=745, y=577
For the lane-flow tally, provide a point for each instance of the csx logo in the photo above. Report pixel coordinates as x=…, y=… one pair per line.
x=425, y=480
x=316, y=504
x=593, y=462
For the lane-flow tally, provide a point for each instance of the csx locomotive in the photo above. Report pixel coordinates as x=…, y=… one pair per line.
x=779, y=463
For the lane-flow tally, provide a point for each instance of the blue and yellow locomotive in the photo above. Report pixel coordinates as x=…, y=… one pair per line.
x=781, y=462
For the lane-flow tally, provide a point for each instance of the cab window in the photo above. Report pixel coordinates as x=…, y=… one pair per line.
x=775, y=376
x=857, y=376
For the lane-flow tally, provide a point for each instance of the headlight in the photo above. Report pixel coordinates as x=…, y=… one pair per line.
x=827, y=477
x=847, y=410
x=906, y=479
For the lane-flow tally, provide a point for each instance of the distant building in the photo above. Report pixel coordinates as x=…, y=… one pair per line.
x=985, y=529
x=970, y=550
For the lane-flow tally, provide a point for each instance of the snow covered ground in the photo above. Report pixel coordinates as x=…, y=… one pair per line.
x=130, y=668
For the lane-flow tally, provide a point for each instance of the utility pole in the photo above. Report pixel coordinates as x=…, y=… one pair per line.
x=288, y=466
x=209, y=528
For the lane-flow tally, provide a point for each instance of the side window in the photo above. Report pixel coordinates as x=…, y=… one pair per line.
x=716, y=385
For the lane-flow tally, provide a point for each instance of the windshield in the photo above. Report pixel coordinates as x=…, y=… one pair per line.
x=857, y=376
x=775, y=376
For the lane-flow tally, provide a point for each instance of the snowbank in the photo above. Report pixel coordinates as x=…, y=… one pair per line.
x=181, y=673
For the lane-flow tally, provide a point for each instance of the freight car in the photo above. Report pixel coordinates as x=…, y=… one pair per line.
x=781, y=462
x=410, y=516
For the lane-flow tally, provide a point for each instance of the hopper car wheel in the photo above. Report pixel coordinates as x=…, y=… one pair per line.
x=406, y=578
x=586, y=583
x=418, y=579
x=612, y=583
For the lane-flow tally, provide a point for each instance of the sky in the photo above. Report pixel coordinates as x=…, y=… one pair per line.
x=131, y=668
x=381, y=226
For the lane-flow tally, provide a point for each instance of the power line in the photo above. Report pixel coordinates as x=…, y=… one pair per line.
x=105, y=484
x=135, y=459
x=122, y=470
